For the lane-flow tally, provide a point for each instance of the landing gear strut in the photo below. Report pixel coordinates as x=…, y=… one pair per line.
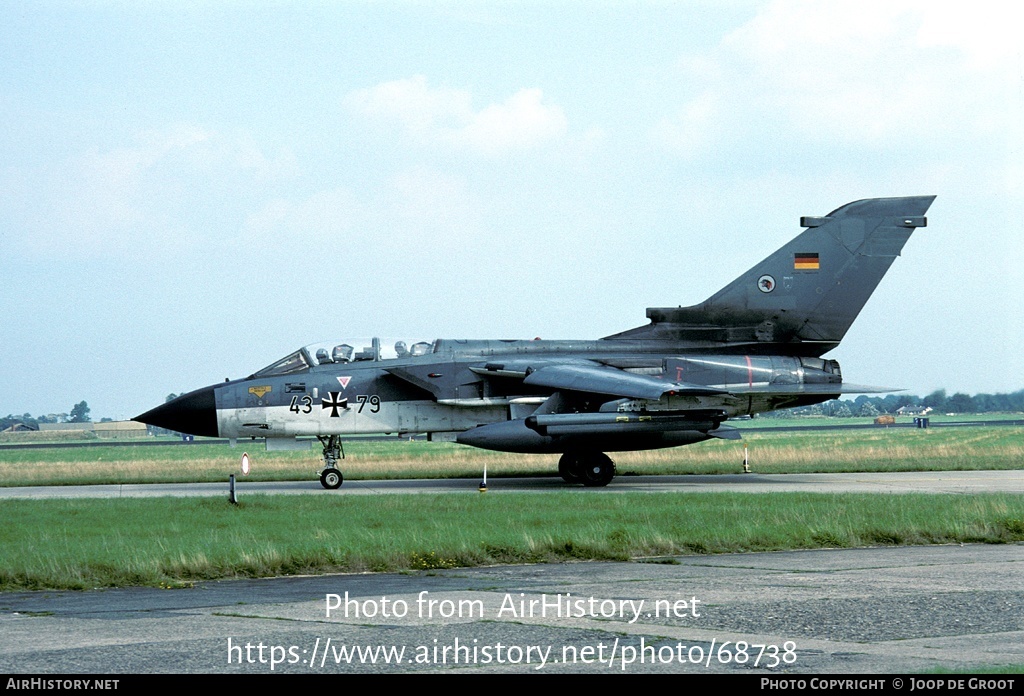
x=592, y=469
x=330, y=477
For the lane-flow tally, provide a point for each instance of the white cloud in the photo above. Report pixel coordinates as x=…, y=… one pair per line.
x=876, y=75
x=139, y=197
x=445, y=115
x=522, y=121
x=320, y=219
x=412, y=104
x=692, y=128
x=415, y=206
x=986, y=32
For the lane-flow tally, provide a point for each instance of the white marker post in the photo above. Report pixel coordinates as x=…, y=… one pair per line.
x=746, y=459
x=246, y=468
x=483, y=484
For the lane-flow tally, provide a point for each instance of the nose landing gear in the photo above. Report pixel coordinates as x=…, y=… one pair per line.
x=330, y=476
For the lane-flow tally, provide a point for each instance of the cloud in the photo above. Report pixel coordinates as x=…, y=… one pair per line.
x=421, y=111
x=151, y=194
x=872, y=75
x=416, y=205
x=522, y=121
x=315, y=220
x=692, y=128
x=446, y=116
x=987, y=32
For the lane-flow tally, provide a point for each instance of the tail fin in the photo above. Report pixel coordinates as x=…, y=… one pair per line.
x=807, y=293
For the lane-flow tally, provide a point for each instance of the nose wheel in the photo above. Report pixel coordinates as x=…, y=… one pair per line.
x=330, y=477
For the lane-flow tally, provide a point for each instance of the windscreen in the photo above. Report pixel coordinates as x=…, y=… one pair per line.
x=296, y=362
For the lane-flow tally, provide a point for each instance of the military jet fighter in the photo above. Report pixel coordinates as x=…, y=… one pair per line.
x=754, y=346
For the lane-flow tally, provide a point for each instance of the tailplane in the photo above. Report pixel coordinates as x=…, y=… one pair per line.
x=807, y=293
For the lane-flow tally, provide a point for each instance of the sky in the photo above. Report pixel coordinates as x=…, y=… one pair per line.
x=191, y=190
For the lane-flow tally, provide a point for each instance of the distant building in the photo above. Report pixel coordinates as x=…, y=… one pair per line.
x=119, y=429
x=19, y=428
x=109, y=429
x=52, y=427
x=913, y=410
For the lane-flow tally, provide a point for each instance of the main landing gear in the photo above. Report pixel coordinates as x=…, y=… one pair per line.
x=592, y=469
x=330, y=477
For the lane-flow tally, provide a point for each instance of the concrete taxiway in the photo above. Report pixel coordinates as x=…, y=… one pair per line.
x=1009, y=481
x=879, y=611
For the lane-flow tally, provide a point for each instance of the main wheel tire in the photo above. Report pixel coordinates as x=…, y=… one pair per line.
x=331, y=479
x=596, y=469
x=569, y=468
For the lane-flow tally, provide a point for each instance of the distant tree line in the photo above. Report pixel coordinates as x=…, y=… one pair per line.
x=79, y=414
x=938, y=401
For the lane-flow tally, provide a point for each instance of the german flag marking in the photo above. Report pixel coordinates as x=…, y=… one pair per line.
x=806, y=261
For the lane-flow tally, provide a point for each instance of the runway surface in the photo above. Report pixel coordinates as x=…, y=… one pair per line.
x=1009, y=481
x=879, y=611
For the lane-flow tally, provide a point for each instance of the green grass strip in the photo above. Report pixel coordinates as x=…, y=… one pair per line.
x=80, y=544
x=881, y=450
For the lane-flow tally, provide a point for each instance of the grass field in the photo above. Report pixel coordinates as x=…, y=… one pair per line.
x=100, y=543
x=882, y=449
x=80, y=544
x=905, y=421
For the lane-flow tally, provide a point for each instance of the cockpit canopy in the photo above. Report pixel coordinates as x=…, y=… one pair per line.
x=344, y=352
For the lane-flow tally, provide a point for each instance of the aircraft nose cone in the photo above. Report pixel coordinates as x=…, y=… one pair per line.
x=194, y=413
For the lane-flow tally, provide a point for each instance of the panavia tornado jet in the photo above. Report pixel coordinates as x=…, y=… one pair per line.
x=756, y=345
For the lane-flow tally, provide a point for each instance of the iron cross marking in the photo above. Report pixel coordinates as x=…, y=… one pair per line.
x=334, y=401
